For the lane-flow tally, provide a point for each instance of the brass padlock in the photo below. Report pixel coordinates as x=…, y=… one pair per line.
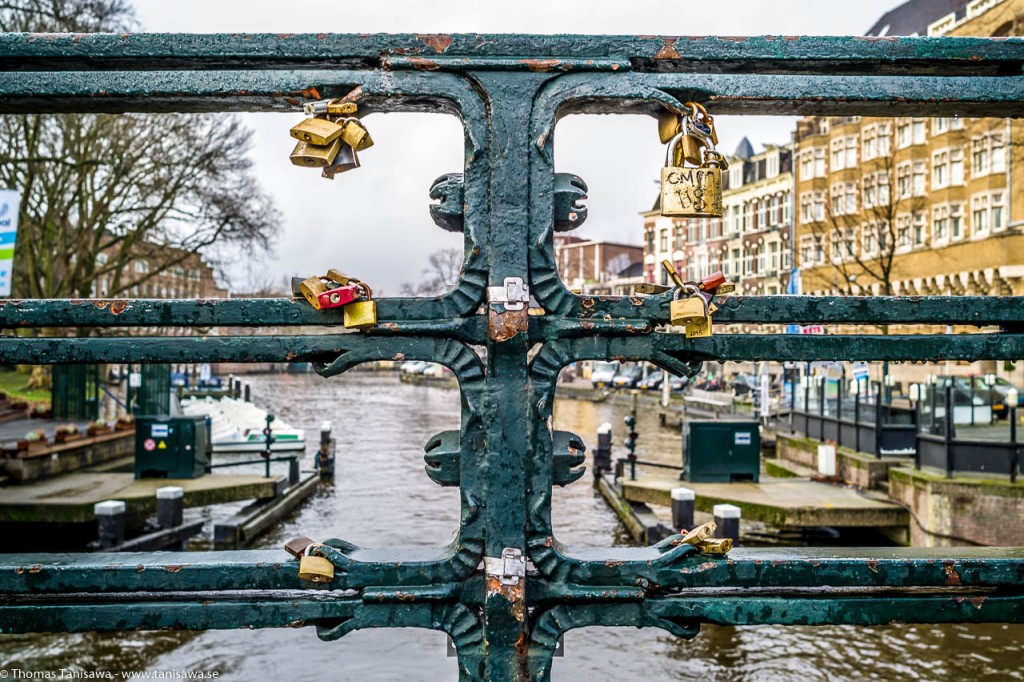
x=356, y=134
x=315, y=156
x=691, y=192
x=318, y=131
x=339, y=277
x=715, y=546
x=669, y=125
x=334, y=107
x=699, y=534
x=684, y=311
x=689, y=149
x=649, y=289
x=315, y=568
x=360, y=314
x=699, y=329
x=311, y=289
x=726, y=288
x=346, y=160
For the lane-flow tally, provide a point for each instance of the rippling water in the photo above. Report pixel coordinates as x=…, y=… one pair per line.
x=381, y=497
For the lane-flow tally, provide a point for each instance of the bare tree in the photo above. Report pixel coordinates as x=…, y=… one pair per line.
x=101, y=191
x=443, y=271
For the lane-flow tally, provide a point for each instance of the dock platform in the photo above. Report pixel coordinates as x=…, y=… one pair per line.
x=777, y=502
x=70, y=498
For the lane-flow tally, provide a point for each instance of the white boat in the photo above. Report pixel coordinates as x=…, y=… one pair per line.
x=237, y=426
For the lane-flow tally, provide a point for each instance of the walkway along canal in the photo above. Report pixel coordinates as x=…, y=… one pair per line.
x=382, y=497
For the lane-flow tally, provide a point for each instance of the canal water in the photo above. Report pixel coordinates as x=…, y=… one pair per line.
x=382, y=497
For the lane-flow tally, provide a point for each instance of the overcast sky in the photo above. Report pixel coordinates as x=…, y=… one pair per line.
x=374, y=222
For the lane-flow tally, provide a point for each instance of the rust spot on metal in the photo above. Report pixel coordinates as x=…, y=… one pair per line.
x=19, y=570
x=514, y=594
x=140, y=568
x=504, y=326
x=311, y=93
x=173, y=568
x=636, y=300
x=118, y=306
x=873, y=566
x=540, y=65
x=290, y=355
x=423, y=64
x=612, y=563
x=586, y=324
x=439, y=41
x=390, y=326
x=399, y=357
x=977, y=602
x=668, y=51
x=297, y=624
x=952, y=577
x=587, y=303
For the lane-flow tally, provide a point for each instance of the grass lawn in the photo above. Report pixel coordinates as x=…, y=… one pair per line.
x=13, y=383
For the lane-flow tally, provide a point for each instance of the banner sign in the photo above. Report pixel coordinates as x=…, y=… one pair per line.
x=10, y=204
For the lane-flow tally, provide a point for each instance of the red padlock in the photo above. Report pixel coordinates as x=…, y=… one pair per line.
x=712, y=281
x=335, y=298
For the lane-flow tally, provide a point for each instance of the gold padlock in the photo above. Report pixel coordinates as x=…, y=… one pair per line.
x=689, y=149
x=356, y=135
x=649, y=289
x=699, y=534
x=669, y=125
x=360, y=314
x=715, y=546
x=685, y=311
x=691, y=192
x=315, y=568
x=726, y=288
x=339, y=277
x=318, y=131
x=699, y=329
x=315, y=156
x=312, y=288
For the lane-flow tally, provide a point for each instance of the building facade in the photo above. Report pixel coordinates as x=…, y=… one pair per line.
x=751, y=243
x=595, y=267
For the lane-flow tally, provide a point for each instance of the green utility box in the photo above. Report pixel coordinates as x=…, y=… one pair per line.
x=170, y=447
x=721, y=451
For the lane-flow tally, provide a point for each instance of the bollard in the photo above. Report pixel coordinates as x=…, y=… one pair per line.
x=603, y=453
x=110, y=520
x=727, y=518
x=293, y=471
x=170, y=505
x=248, y=393
x=682, y=508
x=325, y=458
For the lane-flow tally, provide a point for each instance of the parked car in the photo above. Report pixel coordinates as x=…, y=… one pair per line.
x=1002, y=387
x=628, y=377
x=678, y=383
x=653, y=380
x=413, y=367
x=603, y=373
x=967, y=391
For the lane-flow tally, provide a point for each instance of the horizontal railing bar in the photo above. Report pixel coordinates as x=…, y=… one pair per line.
x=327, y=347
x=282, y=312
x=217, y=51
x=254, y=90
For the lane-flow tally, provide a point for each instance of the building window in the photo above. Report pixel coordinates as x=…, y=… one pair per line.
x=919, y=179
x=762, y=214
x=918, y=229
x=811, y=250
x=819, y=205
x=772, y=165
x=141, y=266
x=956, y=221
x=663, y=241
x=998, y=212
x=807, y=207
x=940, y=170
x=988, y=155
x=650, y=241
x=819, y=163
x=979, y=215
x=869, y=240
x=842, y=245
x=903, y=233
x=903, y=181
x=773, y=257
x=940, y=224
x=940, y=125
x=917, y=131
x=902, y=134
x=807, y=165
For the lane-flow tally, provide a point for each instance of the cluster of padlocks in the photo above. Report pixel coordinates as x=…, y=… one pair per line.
x=312, y=566
x=339, y=290
x=695, y=190
x=331, y=139
x=692, y=303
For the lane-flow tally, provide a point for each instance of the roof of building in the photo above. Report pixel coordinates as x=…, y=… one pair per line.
x=744, y=150
x=913, y=17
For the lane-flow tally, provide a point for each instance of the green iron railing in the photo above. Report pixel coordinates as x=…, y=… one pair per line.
x=509, y=92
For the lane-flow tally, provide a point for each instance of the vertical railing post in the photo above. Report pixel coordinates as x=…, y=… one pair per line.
x=1014, y=449
x=948, y=430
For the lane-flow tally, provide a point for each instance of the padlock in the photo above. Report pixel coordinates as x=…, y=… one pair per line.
x=339, y=277
x=318, y=131
x=715, y=546
x=356, y=134
x=712, y=281
x=649, y=289
x=689, y=149
x=315, y=156
x=311, y=289
x=334, y=107
x=346, y=160
x=691, y=192
x=339, y=296
x=315, y=568
x=297, y=546
x=699, y=534
x=669, y=123
x=685, y=311
x=699, y=329
x=726, y=288
x=360, y=314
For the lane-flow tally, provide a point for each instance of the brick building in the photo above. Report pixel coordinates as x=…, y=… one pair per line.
x=593, y=265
